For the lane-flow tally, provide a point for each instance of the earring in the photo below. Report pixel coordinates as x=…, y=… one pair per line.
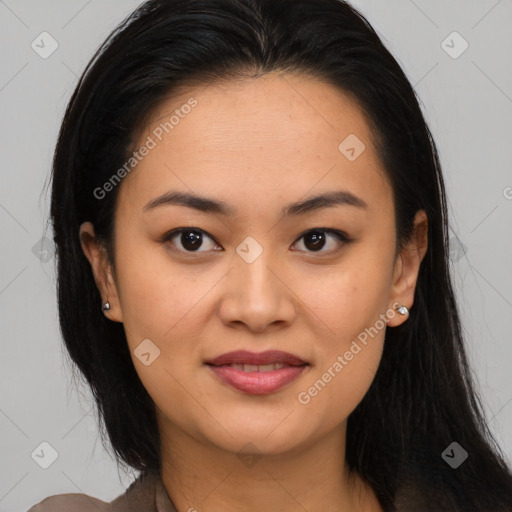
x=403, y=310
x=106, y=306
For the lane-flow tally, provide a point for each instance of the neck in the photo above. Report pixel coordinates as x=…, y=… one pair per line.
x=199, y=476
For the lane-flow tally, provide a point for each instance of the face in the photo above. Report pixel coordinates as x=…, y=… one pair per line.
x=260, y=266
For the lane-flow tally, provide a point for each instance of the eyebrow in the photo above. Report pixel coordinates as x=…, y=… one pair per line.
x=208, y=205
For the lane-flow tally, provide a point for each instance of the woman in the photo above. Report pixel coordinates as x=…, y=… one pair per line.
x=251, y=232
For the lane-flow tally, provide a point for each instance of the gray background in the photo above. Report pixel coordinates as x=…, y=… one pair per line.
x=467, y=101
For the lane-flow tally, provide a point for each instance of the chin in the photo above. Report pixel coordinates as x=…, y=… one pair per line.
x=267, y=438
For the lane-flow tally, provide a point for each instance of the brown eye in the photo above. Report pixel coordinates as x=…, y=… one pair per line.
x=190, y=240
x=315, y=240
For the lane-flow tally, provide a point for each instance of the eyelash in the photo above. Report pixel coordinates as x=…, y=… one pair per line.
x=342, y=237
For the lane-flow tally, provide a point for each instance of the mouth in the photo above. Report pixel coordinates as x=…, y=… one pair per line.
x=256, y=367
x=262, y=359
x=255, y=373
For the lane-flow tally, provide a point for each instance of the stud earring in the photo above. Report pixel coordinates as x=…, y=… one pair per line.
x=403, y=310
x=106, y=306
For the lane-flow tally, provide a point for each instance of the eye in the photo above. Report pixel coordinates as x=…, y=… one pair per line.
x=316, y=239
x=190, y=239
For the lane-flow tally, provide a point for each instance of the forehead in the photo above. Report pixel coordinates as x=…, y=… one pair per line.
x=275, y=108
x=254, y=136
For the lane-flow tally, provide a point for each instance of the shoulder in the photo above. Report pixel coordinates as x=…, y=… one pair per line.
x=67, y=502
x=145, y=494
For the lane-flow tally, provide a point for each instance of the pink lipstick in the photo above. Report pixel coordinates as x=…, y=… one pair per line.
x=257, y=373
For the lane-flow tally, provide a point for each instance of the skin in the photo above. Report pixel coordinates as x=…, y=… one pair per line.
x=257, y=144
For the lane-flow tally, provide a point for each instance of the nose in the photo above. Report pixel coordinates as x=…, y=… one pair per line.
x=257, y=295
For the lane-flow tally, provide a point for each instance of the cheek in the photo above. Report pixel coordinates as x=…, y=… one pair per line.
x=349, y=297
x=168, y=305
x=349, y=352
x=157, y=298
x=340, y=382
x=351, y=307
x=163, y=306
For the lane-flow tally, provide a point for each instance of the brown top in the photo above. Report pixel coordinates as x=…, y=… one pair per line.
x=146, y=494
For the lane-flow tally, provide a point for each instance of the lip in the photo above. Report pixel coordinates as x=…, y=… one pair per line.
x=257, y=382
x=267, y=357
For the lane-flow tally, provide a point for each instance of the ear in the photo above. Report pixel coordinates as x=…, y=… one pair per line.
x=102, y=271
x=407, y=266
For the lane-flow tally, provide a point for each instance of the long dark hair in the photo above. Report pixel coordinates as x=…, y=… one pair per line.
x=422, y=398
